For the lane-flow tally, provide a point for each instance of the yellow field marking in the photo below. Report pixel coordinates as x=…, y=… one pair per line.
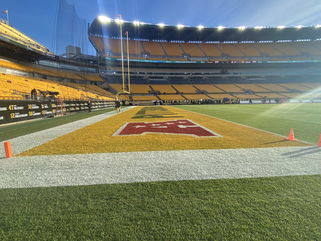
x=98, y=138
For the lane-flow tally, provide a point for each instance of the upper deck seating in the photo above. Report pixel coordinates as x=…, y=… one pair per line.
x=164, y=89
x=192, y=49
x=274, y=51
x=8, y=32
x=153, y=48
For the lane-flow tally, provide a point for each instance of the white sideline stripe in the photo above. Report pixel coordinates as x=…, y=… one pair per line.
x=93, y=169
x=269, y=132
x=26, y=142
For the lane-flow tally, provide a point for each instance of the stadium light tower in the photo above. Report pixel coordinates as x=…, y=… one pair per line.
x=136, y=23
x=180, y=26
x=161, y=25
x=258, y=27
x=200, y=27
x=220, y=28
x=119, y=21
x=104, y=19
x=241, y=28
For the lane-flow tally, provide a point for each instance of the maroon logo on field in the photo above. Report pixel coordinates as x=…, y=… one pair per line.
x=180, y=127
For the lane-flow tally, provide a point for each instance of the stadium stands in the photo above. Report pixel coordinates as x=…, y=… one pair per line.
x=12, y=34
x=221, y=96
x=221, y=52
x=144, y=98
x=153, y=48
x=164, y=89
x=46, y=72
x=171, y=97
x=209, y=88
x=173, y=49
x=135, y=88
x=181, y=51
x=185, y=88
x=20, y=87
x=210, y=50
x=196, y=97
x=192, y=50
x=229, y=88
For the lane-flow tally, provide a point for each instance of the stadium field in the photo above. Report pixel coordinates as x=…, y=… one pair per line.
x=304, y=118
x=284, y=208
x=149, y=129
x=19, y=129
x=168, y=173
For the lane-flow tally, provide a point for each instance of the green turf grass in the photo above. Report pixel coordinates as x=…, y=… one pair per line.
x=304, y=118
x=283, y=208
x=19, y=129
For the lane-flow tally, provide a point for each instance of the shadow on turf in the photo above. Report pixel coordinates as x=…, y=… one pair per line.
x=303, y=152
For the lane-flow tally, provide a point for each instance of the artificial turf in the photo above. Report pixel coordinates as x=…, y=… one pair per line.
x=304, y=118
x=19, y=129
x=282, y=208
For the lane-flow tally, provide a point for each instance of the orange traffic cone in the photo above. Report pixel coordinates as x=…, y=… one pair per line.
x=291, y=135
x=8, y=149
x=320, y=141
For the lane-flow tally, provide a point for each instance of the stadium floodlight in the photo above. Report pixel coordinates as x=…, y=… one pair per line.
x=241, y=28
x=220, y=28
x=258, y=27
x=136, y=23
x=281, y=27
x=161, y=25
x=119, y=21
x=104, y=19
x=318, y=26
x=180, y=26
x=200, y=27
x=298, y=26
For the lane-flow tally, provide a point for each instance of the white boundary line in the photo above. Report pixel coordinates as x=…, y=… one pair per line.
x=251, y=127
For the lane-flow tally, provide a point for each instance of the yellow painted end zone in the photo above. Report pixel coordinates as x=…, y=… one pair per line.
x=102, y=137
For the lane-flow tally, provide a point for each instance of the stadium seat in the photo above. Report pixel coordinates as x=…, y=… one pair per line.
x=8, y=32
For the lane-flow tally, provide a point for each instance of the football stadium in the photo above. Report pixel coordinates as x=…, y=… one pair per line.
x=160, y=131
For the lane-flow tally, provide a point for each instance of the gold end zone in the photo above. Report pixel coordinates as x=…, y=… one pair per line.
x=101, y=138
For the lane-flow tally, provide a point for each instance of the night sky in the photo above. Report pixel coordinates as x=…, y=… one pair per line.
x=39, y=18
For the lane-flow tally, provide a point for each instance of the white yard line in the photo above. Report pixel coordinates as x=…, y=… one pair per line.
x=93, y=169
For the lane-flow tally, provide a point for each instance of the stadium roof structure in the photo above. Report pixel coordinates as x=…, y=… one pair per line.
x=161, y=32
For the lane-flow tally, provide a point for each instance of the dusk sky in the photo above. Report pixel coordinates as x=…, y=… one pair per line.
x=38, y=18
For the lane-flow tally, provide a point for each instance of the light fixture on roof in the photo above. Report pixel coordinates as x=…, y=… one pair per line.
x=136, y=23
x=104, y=19
x=119, y=21
x=200, y=27
x=241, y=28
x=318, y=26
x=180, y=26
x=161, y=25
x=220, y=28
x=281, y=27
x=258, y=27
x=298, y=26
